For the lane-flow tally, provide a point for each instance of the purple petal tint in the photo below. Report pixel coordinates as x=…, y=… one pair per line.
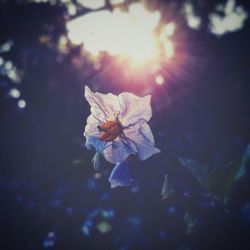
x=120, y=175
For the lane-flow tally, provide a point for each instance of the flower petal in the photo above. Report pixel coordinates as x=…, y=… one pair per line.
x=94, y=143
x=134, y=108
x=140, y=134
x=116, y=151
x=120, y=175
x=103, y=106
x=91, y=127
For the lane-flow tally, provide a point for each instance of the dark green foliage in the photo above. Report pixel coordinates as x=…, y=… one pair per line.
x=219, y=182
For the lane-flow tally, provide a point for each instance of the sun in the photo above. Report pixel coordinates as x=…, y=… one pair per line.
x=129, y=36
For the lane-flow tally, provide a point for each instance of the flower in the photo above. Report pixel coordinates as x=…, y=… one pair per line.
x=117, y=127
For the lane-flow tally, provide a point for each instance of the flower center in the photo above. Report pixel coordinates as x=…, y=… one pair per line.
x=109, y=130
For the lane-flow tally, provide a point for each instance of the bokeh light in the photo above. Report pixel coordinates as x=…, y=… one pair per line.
x=21, y=104
x=159, y=79
x=15, y=93
x=168, y=30
x=50, y=240
x=116, y=1
x=193, y=21
x=227, y=18
x=1, y=61
x=5, y=47
x=96, y=4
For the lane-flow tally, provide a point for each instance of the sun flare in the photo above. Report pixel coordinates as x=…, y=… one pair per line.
x=122, y=34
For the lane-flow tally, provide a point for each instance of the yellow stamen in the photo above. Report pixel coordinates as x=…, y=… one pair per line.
x=109, y=130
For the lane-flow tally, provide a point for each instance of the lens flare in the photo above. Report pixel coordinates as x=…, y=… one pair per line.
x=169, y=49
x=126, y=34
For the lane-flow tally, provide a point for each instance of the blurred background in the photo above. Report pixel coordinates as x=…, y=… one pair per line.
x=192, y=57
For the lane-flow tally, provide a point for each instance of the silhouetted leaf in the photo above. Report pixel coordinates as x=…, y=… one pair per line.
x=190, y=222
x=199, y=171
x=167, y=189
x=220, y=182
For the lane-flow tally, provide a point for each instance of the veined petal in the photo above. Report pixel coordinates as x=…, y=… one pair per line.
x=116, y=151
x=134, y=108
x=120, y=175
x=140, y=134
x=91, y=127
x=103, y=106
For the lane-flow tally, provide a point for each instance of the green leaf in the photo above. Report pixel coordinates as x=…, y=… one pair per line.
x=167, y=189
x=97, y=161
x=221, y=181
x=199, y=171
x=190, y=222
